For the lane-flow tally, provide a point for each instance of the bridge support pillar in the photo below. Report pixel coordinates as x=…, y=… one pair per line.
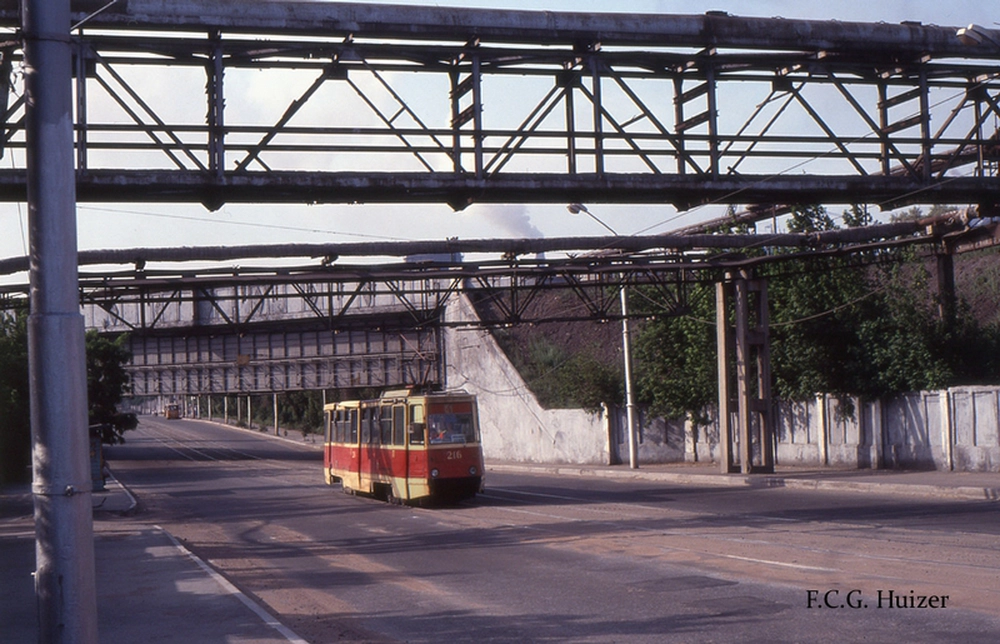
x=747, y=347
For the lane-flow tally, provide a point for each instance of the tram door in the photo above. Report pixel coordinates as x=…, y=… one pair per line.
x=369, y=434
x=400, y=458
x=354, y=454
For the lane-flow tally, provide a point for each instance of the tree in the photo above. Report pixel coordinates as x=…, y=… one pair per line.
x=15, y=413
x=810, y=219
x=675, y=357
x=837, y=326
x=107, y=383
x=577, y=374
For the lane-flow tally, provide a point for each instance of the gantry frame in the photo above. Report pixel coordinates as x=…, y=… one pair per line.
x=308, y=102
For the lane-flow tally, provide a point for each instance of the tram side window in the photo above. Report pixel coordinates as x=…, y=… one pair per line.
x=416, y=425
x=328, y=417
x=385, y=421
x=398, y=424
x=352, y=423
x=366, y=427
x=373, y=420
x=341, y=425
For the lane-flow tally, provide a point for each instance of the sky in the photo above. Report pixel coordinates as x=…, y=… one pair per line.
x=140, y=225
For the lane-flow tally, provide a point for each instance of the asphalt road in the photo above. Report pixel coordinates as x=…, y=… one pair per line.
x=545, y=559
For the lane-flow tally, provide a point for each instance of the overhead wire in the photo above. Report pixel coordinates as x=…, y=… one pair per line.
x=243, y=223
x=723, y=199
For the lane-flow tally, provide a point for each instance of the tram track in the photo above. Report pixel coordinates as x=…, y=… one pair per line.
x=259, y=512
x=193, y=445
x=756, y=530
x=768, y=546
x=186, y=451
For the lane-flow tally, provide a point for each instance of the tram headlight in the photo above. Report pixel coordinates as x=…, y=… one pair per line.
x=434, y=473
x=472, y=471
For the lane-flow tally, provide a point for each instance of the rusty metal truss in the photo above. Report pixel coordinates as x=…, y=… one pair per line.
x=368, y=351
x=334, y=323
x=335, y=298
x=192, y=101
x=508, y=275
x=334, y=328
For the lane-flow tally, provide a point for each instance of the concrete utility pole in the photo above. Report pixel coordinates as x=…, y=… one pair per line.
x=64, y=576
x=633, y=447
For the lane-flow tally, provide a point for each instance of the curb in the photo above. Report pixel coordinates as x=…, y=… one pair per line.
x=738, y=480
x=133, y=502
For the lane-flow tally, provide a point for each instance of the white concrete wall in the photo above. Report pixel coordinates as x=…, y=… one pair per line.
x=953, y=429
x=514, y=426
x=958, y=428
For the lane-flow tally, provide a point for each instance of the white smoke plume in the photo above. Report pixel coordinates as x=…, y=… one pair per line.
x=512, y=220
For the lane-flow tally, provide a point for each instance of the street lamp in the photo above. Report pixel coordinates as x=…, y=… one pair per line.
x=633, y=456
x=577, y=208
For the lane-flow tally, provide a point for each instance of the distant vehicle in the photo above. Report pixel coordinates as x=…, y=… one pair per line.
x=171, y=412
x=404, y=447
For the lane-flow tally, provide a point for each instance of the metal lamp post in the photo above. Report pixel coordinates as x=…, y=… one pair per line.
x=633, y=450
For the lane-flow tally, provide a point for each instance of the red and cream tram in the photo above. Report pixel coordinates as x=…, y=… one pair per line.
x=405, y=447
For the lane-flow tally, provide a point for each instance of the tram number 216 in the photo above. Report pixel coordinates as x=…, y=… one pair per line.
x=454, y=455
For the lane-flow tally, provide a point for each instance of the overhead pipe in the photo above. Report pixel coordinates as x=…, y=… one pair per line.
x=452, y=24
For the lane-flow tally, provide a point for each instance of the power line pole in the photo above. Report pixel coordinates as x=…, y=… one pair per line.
x=64, y=552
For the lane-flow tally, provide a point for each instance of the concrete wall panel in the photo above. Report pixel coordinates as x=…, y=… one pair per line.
x=514, y=426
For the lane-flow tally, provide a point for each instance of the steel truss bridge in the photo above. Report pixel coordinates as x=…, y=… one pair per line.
x=326, y=320
x=218, y=101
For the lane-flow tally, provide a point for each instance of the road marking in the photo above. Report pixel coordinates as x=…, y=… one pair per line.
x=538, y=494
x=783, y=564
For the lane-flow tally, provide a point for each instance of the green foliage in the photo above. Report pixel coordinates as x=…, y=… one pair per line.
x=814, y=341
x=810, y=219
x=302, y=410
x=107, y=383
x=871, y=332
x=15, y=413
x=835, y=328
x=561, y=378
x=675, y=358
x=591, y=382
x=857, y=216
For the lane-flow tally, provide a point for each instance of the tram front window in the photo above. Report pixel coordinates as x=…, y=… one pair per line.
x=451, y=428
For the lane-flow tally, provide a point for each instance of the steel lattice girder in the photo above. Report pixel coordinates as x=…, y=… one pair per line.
x=369, y=351
x=509, y=271
x=333, y=292
x=418, y=104
x=147, y=305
